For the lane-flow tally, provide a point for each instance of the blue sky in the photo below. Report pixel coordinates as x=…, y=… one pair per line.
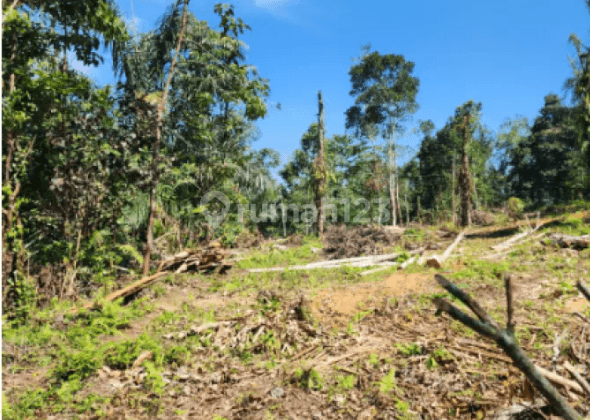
x=506, y=54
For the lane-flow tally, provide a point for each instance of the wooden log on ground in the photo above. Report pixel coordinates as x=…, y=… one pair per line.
x=519, y=242
x=381, y=267
x=512, y=241
x=368, y=261
x=407, y=262
x=578, y=377
x=436, y=261
x=570, y=241
x=129, y=290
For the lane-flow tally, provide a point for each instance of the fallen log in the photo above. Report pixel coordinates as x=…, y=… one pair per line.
x=436, y=261
x=560, y=380
x=381, y=267
x=372, y=260
x=199, y=261
x=519, y=242
x=126, y=291
x=512, y=241
x=408, y=262
x=570, y=241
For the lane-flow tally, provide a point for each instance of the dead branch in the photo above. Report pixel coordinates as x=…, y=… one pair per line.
x=583, y=288
x=512, y=241
x=383, y=261
x=381, y=267
x=436, y=261
x=572, y=370
x=487, y=327
x=199, y=261
x=519, y=242
x=129, y=290
x=560, y=380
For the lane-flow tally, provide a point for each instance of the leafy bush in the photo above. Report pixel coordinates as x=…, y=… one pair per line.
x=515, y=206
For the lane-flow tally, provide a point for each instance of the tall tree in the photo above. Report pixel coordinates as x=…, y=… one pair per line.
x=320, y=172
x=156, y=145
x=579, y=85
x=385, y=95
x=44, y=107
x=213, y=97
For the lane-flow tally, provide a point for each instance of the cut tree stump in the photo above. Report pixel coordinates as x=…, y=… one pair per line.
x=437, y=261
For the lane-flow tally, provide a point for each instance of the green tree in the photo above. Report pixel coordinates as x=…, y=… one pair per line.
x=579, y=85
x=385, y=95
x=513, y=156
x=213, y=99
x=44, y=106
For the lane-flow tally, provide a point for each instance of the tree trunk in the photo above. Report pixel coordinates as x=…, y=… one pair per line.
x=392, y=173
x=407, y=205
x=453, y=203
x=419, y=209
x=156, y=147
x=398, y=208
x=392, y=200
x=464, y=178
x=320, y=174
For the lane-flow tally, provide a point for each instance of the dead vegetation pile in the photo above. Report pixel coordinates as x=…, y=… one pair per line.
x=343, y=242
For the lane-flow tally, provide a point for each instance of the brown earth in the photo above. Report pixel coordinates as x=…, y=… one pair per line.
x=337, y=305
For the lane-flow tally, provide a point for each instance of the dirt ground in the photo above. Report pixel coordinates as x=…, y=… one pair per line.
x=337, y=305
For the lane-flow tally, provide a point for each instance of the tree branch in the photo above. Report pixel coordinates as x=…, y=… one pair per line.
x=506, y=340
x=583, y=288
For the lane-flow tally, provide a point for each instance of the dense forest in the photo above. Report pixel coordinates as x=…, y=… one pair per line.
x=94, y=176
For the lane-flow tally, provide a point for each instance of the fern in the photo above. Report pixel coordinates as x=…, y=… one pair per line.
x=131, y=251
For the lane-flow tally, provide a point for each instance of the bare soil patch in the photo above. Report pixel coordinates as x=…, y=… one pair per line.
x=336, y=306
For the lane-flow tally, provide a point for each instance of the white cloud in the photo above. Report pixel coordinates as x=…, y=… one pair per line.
x=276, y=7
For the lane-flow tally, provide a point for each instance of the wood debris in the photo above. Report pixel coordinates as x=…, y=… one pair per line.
x=570, y=241
x=436, y=262
x=205, y=260
x=197, y=260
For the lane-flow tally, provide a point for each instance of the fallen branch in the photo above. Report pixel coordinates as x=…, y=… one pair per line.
x=519, y=242
x=200, y=261
x=386, y=265
x=385, y=260
x=408, y=262
x=436, y=261
x=126, y=291
x=583, y=288
x=583, y=383
x=381, y=267
x=505, y=338
x=512, y=241
x=560, y=380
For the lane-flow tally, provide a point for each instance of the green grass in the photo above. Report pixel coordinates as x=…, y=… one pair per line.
x=291, y=256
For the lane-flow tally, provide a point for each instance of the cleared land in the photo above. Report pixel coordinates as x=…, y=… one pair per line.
x=312, y=344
